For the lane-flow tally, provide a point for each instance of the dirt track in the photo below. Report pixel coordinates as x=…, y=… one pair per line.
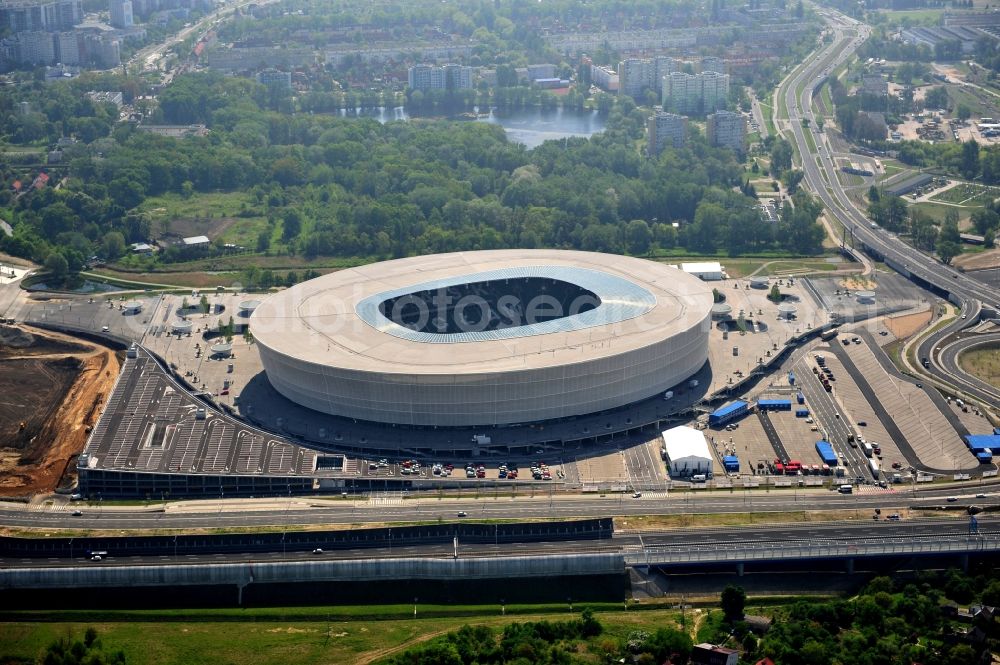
x=56, y=388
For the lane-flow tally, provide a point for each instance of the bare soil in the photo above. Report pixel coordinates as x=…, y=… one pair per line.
x=185, y=227
x=989, y=258
x=908, y=324
x=51, y=391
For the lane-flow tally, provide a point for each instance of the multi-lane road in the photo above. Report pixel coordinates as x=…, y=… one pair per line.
x=820, y=167
x=391, y=508
x=862, y=531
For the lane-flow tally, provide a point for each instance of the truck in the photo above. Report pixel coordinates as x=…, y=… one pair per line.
x=873, y=466
x=846, y=489
x=867, y=447
x=800, y=398
x=801, y=413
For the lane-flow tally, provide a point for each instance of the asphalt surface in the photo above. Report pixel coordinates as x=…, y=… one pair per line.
x=953, y=346
x=849, y=34
x=230, y=514
x=865, y=530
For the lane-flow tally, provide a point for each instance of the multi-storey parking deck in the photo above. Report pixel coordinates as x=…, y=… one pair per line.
x=154, y=438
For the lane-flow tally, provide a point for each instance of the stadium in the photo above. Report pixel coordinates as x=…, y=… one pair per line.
x=484, y=338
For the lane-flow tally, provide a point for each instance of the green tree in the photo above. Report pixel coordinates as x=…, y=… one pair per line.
x=291, y=225
x=264, y=241
x=775, y=295
x=203, y=304
x=638, y=237
x=113, y=245
x=57, y=265
x=970, y=159
x=733, y=601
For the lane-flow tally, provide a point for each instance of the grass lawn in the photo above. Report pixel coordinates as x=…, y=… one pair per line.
x=984, y=363
x=914, y=17
x=938, y=211
x=827, y=98
x=810, y=141
x=278, y=636
x=766, y=110
x=216, y=215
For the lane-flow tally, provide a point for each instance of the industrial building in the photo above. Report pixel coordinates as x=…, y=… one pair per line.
x=484, y=338
x=686, y=451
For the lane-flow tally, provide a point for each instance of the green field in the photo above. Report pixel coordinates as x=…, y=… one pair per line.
x=914, y=17
x=226, y=216
x=290, y=636
x=983, y=362
x=766, y=111
x=938, y=211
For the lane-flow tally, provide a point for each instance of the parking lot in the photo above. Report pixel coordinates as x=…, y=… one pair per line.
x=856, y=409
x=796, y=436
x=747, y=441
x=924, y=426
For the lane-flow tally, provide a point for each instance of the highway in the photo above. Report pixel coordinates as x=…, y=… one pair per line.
x=848, y=35
x=852, y=532
x=230, y=514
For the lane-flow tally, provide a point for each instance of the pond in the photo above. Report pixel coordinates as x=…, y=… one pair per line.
x=532, y=126
x=85, y=286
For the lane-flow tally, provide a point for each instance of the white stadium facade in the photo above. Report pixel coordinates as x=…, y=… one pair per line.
x=484, y=338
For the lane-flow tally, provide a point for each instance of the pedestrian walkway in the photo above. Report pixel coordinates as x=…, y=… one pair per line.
x=874, y=489
x=385, y=501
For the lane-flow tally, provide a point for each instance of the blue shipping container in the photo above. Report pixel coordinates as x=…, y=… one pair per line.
x=731, y=463
x=826, y=453
x=984, y=458
x=774, y=404
x=801, y=413
x=800, y=398
x=731, y=411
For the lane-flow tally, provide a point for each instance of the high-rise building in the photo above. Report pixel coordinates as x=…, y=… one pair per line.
x=35, y=48
x=605, y=78
x=40, y=15
x=665, y=129
x=698, y=93
x=274, y=79
x=448, y=77
x=638, y=74
x=121, y=13
x=68, y=50
x=714, y=91
x=681, y=93
x=712, y=63
x=726, y=129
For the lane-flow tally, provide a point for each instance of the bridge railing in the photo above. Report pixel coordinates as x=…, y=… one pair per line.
x=667, y=555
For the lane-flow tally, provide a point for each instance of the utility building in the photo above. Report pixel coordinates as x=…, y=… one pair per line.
x=686, y=451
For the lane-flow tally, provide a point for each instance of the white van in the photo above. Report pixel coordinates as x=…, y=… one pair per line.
x=846, y=489
x=699, y=478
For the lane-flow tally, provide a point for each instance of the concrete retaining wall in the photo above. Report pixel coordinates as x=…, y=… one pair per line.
x=242, y=574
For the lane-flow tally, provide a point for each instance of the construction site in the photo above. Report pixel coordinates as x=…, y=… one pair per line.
x=53, y=387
